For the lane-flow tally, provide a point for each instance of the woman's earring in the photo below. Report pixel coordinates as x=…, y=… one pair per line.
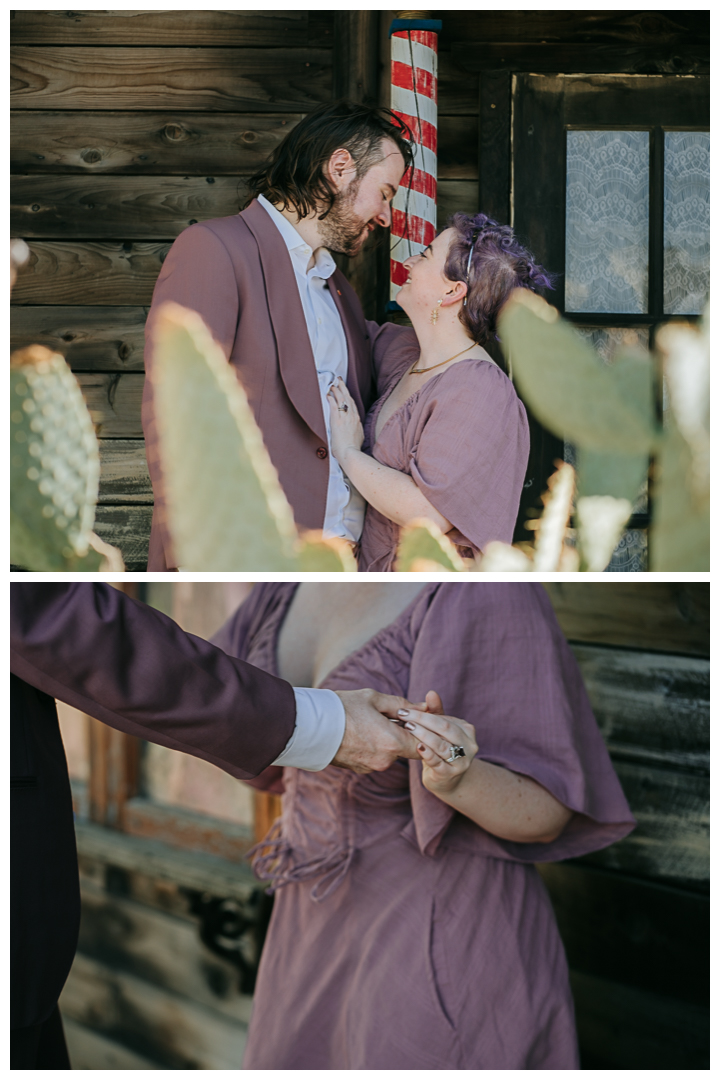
x=435, y=312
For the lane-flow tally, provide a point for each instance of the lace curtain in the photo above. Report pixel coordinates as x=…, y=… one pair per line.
x=607, y=214
x=687, y=222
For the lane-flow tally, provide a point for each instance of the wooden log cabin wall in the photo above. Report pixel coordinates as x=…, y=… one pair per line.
x=129, y=126
x=172, y=918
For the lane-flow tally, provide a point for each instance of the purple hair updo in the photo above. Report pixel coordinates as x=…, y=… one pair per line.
x=498, y=265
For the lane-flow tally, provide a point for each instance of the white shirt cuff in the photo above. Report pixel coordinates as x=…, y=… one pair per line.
x=319, y=730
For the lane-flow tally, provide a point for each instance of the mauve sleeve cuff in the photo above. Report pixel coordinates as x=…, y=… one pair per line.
x=319, y=730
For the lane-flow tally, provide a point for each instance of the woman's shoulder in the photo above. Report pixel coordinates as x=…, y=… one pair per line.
x=480, y=371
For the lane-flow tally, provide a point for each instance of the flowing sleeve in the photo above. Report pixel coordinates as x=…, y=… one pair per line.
x=468, y=452
x=497, y=657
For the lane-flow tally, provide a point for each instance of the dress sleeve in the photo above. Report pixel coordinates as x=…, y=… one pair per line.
x=394, y=349
x=497, y=657
x=468, y=452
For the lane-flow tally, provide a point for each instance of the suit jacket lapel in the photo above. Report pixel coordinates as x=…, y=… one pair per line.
x=295, y=355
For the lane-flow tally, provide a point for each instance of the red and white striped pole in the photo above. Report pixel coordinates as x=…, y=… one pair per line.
x=413, y=96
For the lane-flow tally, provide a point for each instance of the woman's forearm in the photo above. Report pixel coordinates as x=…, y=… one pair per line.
x=393, y=493
x=508, y=805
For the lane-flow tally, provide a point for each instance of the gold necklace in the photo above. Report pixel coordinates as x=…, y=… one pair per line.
x=421, y=371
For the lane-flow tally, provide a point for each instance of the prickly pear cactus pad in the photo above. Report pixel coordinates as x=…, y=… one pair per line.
x=225, y=507
x=423, y=548
x=54, y=465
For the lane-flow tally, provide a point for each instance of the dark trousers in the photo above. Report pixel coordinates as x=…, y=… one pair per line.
x=41, y=1046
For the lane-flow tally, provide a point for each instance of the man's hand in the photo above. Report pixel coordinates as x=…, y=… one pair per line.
x=372, y=742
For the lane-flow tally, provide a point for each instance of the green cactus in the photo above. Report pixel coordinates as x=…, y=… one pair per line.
x=54, y=466
x=225, y=507
x=609, y=413
x=424, y=548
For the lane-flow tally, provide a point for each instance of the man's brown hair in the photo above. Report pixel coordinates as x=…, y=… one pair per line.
x=294, y=172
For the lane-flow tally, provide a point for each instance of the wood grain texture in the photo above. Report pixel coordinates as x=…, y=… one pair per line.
x=264, y=80
x=456, y=196
x=84, y=272
x=90, y=338
x=162, y=949
x=635, y=932
x=154, y=860
x=171, y=1030
x=494, y=149
x=671, y=841
x=457, y=148
x=114, y=402
x=669, y=617
x=166, y=143
x=88, y=1050
x=620, y=27
x=187, y=830
x=101, y=207
x=195, y=28
x=679, y=59
x=457, y=88
x=127, y=528
x=124, y=476
x=650, y=707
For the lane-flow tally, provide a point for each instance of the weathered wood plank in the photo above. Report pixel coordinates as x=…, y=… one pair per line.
x=265, y=80
x=102, y=207
x=457, y=88
x=114, y=402
x=669, y=617
x=456, y=196
x=572, y=25
x=87, y=272
x=127, y=528
x=195, y=28
x=633, y=932
x=169, y=1029
x=164, y=143
x=620, y=1027
x=679, y=59
x=90, y=338
x=88, y=1050
x=124, y=476
x=494, y=151
x=159, y=861
x=457, y=148
x=160, y=948
x=671, y=841
x=187, y=830
x=650, y=707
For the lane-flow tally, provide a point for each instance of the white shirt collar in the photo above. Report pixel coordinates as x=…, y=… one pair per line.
x=324, y=262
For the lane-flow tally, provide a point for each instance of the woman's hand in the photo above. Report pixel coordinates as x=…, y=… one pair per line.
x=437, y=735
x=346, y=430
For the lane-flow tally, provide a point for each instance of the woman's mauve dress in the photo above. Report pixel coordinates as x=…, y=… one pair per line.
x=463, y=438
x=404, y=936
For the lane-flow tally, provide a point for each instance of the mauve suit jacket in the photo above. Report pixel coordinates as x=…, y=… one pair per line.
x=237, y=274
x=135, y=669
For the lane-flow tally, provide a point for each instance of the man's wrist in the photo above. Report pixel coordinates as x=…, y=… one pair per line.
x=319, y=730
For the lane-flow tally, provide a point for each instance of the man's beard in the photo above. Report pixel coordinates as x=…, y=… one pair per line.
x=342, y=229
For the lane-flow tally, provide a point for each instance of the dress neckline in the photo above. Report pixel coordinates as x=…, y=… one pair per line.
x=284, y=607
x=377, y=406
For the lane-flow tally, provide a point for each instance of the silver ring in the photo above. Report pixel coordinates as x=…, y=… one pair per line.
x=457, y=752
x=343, y=407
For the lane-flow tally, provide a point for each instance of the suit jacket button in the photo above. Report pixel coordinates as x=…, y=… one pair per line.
x=321, y=452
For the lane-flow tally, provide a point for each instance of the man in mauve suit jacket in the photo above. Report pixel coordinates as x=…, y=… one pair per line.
x=287, y=319
x=135, y=669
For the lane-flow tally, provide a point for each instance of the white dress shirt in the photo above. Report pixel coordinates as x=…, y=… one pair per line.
x=319, y=730
x=345, y=507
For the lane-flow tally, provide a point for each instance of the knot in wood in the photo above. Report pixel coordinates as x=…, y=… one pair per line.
x=91, y=156
x=249, y=136
x=174, y=132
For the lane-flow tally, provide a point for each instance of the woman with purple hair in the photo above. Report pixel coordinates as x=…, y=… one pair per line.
x=447, y=438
